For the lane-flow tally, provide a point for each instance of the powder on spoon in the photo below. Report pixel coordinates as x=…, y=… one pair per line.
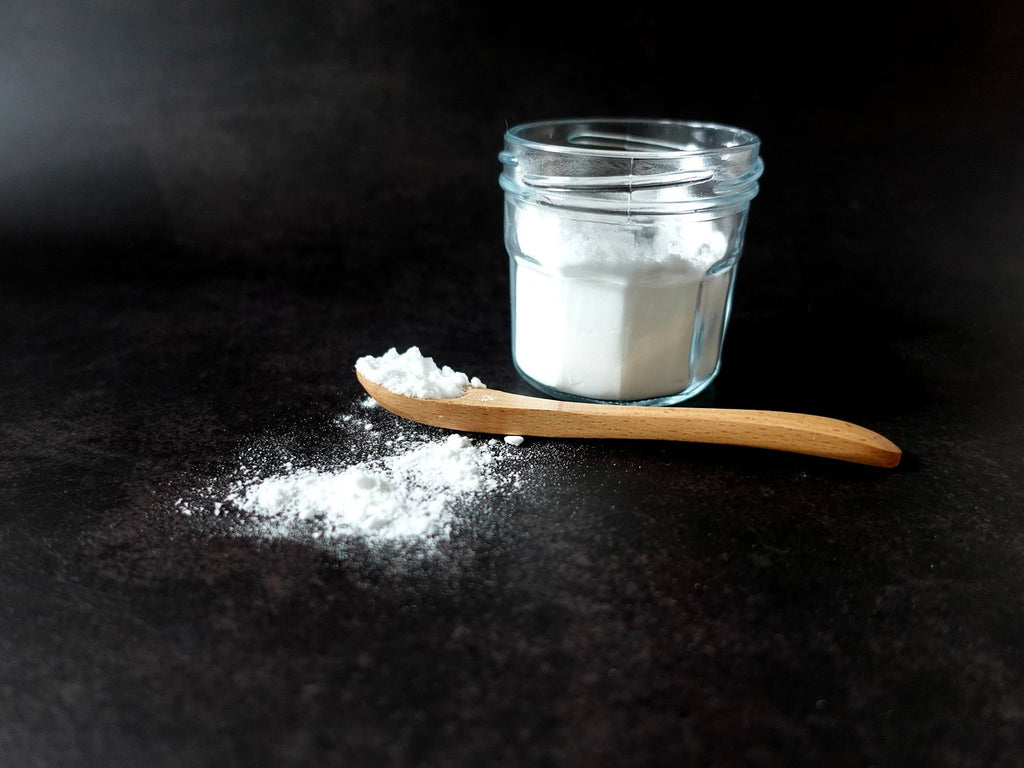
x=412, y=374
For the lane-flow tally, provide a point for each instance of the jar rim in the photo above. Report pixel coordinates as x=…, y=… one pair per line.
x=645, y=146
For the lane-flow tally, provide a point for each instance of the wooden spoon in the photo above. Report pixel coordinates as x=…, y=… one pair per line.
x=491, y=411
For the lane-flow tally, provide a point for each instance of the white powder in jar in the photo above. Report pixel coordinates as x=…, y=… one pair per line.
x=614, y=311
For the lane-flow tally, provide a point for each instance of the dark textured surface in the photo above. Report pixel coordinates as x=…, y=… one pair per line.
x=209, y=210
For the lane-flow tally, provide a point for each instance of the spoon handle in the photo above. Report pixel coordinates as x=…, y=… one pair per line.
x=773, y=430
x=504, y=413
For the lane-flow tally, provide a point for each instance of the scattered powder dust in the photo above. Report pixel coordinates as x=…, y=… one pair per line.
x=405, y=494
x=383, y=479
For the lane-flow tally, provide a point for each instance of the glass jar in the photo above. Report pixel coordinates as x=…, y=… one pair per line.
x=623, y=239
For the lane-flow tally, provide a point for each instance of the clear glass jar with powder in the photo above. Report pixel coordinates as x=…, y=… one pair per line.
x=623, y=239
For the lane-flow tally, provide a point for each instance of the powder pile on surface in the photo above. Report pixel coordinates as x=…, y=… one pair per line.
x=402, y=495
x=370, y=477
x=375, y=477
x=412, y=374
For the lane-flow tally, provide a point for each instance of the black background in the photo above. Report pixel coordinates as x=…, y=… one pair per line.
x=209, y=210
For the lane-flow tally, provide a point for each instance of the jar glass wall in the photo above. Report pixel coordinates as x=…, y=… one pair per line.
x=623, y=239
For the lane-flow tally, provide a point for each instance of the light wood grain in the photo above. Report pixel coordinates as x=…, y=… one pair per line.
x=491, y=411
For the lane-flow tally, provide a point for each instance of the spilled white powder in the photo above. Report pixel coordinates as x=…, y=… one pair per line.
x=410, y=488
x=412, y=374
x=402, y=495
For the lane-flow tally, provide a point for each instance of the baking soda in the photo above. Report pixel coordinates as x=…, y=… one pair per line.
x=410, y=373
x=623, y=235
x=408, y=486
x=406, y=494
x=619, y=312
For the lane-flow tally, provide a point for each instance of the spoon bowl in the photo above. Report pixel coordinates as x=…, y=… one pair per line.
x=492, y=411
